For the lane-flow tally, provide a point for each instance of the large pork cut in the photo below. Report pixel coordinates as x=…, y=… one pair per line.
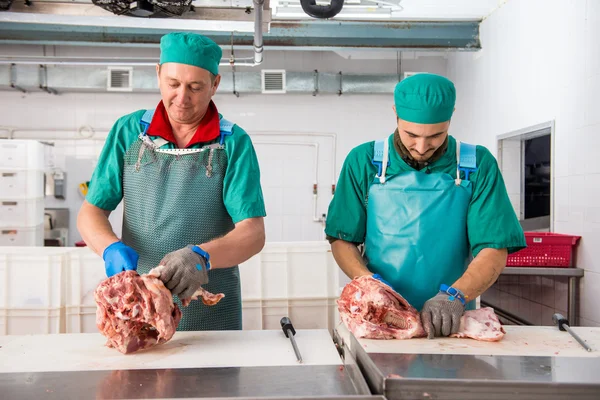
x=136, y=312
x=371, y=309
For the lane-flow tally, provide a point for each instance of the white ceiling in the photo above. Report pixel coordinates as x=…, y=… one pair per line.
x=433, y=10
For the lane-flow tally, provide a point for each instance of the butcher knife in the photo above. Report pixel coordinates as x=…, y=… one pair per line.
x=563, y=325
x=288, y=329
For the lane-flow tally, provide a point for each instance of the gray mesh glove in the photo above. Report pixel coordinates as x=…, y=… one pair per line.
x=181, y=274
x=441, y=316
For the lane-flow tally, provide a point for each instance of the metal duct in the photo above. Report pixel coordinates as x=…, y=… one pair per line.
x=311, y=8
x=146, y=8
x=63, y=78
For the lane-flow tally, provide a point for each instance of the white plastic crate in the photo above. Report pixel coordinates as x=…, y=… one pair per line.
x=31, y=321
x=22, y=154
x=304, y=313
x=31, y=279
x=291, y=270
x=21, y=212
x=299, y=280
x=21, y=183
x=84, y=271
x=22, y=236
x=80, y=319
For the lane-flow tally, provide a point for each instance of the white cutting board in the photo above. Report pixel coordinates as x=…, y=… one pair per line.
x=519, y=340
x=86, y=351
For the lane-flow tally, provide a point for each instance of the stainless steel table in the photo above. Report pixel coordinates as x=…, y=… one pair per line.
x=406, y=375
x=218, y=364
x=300, y=382
x=574, y=274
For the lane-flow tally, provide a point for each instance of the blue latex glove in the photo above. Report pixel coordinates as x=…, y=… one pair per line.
x=119, y=257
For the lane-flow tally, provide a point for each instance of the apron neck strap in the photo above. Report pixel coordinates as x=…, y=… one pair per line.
x=458, y=180
x=384, y=162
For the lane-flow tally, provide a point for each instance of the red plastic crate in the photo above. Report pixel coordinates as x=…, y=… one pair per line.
x=545, y=250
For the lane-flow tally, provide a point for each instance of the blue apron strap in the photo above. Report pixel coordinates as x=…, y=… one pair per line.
x=379, y=155
x=226, y=128
x=146, y=120
x=467, y=159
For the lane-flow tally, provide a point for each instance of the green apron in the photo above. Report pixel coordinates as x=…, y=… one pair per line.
x=173, y=198
x=417, y=226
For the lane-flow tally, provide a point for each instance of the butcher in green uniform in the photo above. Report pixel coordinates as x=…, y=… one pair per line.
x=432, y=212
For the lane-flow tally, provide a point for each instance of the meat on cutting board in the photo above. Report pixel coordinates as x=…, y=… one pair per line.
x=371, y=309
x=481, y=324
x=137, y=312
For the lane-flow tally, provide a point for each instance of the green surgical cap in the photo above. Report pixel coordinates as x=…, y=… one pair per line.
x=425, y=99
x=190, y=49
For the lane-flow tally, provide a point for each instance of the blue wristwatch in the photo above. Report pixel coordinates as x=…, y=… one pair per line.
x=453, y=293
x=202, y=254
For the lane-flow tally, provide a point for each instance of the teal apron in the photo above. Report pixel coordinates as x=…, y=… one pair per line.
x=417, y=226
x=173, y=198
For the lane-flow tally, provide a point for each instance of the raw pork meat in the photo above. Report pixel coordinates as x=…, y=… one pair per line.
x=207, y=298
x=481, y=324
x=137, y=312
x=372, y=310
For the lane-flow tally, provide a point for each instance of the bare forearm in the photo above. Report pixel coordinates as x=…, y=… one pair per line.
x=244, y=241
x=94, y=227
x=482, y=272
x=348, y=257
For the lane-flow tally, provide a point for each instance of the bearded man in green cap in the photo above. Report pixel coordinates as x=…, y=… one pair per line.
x=190, y=183
x=423, y=204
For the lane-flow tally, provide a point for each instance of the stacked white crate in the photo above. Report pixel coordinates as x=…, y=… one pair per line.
x=51, y=289
x=32, y=290
x=22, y=164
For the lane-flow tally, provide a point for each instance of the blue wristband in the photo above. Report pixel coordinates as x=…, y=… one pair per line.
x=202, y=254
x=453, y=293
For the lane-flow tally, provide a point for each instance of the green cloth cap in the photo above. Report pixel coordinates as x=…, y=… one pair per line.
x=425, y=99
x=190, y=49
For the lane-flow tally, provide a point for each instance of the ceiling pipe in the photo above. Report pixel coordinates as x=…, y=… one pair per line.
x=311, y=8
x=149, y=62
x=258, y=35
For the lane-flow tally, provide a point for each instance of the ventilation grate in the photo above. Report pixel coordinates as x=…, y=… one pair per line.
x=273, y=81
x=120, y=79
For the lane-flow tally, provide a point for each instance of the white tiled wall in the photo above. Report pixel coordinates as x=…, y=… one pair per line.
x=541, y=62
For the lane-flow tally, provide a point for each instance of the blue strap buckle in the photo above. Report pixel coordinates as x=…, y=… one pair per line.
x=467, y=171
x=226, y=128
x=379, y=165
x=453, y=293
x=146, y=120
x=468, y=159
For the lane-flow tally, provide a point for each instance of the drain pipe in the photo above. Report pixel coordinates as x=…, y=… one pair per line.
x=258, y=34
x=258, y=41
x=311, y=8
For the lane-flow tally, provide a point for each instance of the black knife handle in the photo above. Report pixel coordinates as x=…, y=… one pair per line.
x=286, y=325
x=560, y=321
